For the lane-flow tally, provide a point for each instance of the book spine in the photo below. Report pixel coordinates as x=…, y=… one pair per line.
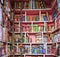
x=47, y=16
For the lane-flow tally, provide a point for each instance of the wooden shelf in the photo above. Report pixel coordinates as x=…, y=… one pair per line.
x=48, y=43
x=34, y=9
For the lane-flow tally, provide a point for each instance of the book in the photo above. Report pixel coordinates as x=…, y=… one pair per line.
x=36, y=5
x=53, y=49
x=45, y=37
x=23, y=17
x=36, y=18
x=45, y=27
x=45, y=18
x=28, y=18
x=49, y=28
x=48, y=49
x=34, y=49
x=55, y=14
x=33, y=4
x=27, y=49
x=27, y=39
x=41, y=17
x=15, y=5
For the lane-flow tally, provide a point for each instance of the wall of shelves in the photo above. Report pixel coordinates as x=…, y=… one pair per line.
x=38, y=26
x=40, y=29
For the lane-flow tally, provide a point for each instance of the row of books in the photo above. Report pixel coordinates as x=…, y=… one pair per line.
x=35, y=38
x=18, y=17
x=32, y=18
x=37, y=49
x=32, y=4
x=36, y=28
x=42, y=17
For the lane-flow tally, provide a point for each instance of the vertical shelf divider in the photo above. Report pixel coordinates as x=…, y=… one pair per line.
x=42, y=37
x=32, y=27
x=40, y=15
x=25, y=16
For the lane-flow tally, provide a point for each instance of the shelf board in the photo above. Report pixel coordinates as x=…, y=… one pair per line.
x=34, y=54
x=49, y=32
x=17, y=32
x=37, y=54
x=17, y=22
x=49, y=54
x=33, y=43
x=5, y=55
x=33, y=9
x=48, y=43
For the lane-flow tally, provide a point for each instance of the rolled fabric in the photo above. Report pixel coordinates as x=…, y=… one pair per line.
x=1, y=37
x=1, y=15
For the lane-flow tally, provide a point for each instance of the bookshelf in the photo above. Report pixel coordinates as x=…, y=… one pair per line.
x=40, y=29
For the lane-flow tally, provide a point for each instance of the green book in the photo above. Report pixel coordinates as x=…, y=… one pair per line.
x=15, y=4
x=37, y=28
x=34, y=28
x=28, y=18
x=36, y=5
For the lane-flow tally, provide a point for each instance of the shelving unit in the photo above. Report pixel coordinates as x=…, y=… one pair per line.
x=29, y=28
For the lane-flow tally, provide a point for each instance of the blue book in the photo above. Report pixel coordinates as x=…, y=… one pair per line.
x=44, y=51
x=23, y=18
x=45, y=18
x=18, y=39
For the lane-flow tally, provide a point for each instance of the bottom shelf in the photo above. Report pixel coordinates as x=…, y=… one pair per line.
x=33, y=56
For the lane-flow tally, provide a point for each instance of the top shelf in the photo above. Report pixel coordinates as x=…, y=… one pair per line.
x=34, y=3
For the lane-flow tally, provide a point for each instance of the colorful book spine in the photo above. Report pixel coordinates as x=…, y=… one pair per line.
x=28, y=18
x=23, y=17
x=36, y=4
x=47, y=16
x=48, y=49
x=33, y=4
